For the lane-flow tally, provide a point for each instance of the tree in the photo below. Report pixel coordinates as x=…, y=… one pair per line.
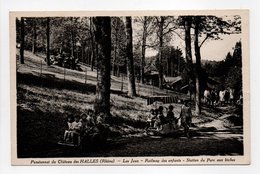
x=48, y=41
x=102, y=32
x=173, y=62
x=211, y=27
x=198, y=65
x=145, y=32
x=142, y=35
x=22, y=42
x=118, y=44
x=234, y=74
x=165, y=27
x=34, y=36
x=188, y=53
x=93, y=44
x=130, y=62
x=160, y=35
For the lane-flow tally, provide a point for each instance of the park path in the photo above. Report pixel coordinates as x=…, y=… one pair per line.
x=203, y=141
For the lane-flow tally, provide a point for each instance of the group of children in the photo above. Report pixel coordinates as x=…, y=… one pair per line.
x=80, y=125
x=156, y=118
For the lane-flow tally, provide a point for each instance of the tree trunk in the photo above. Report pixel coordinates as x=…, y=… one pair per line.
x=93, y=45
x=130, y=62
x=160, y=52
x=172, y=67
x=102, y=32
x=82, y=53
x=114, y=59
x=187, y=26
x=48, y=41
x=22, y=42
x=198, y=66
x=34, y=37
x=73, y=66
x=143, y=49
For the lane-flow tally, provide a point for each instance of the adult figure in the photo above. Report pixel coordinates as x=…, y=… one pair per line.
x=207, y=97
x=231, y=96
x=221, y=97
x=226, y=96
x=213, y=97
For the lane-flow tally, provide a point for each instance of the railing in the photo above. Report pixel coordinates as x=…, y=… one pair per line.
x=163, y=99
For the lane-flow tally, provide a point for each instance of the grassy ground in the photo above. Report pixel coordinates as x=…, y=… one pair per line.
x=44, y=99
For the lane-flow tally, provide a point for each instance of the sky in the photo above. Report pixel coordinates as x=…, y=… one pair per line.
x=210, y=50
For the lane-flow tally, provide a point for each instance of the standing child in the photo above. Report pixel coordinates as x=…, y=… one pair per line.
x=170, y=115
x=186, y=117
x=76, y=125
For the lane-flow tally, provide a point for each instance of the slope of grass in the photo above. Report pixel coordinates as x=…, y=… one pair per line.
x=45, y=99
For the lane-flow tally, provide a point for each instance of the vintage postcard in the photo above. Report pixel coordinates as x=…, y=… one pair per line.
x=130, y=87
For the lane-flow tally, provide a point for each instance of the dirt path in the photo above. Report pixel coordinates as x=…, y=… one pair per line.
x=205, y=141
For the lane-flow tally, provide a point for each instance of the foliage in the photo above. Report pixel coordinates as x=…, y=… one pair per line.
x=228, y=71
x=118, y=37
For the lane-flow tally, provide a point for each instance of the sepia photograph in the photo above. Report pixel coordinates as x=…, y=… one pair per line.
x=130, y=88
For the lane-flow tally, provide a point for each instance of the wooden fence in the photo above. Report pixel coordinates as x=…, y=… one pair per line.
x=163, y=99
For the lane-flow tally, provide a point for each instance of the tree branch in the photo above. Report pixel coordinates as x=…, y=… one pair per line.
x=204, y=41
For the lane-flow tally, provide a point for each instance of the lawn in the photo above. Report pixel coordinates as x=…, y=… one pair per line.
x=45, y=98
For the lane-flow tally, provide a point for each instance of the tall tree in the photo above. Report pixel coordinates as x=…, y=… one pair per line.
x=188, y=53
x=93, y=44
x=211, y=27
x=198, y=65
x=115, y=46
x=34, y=23
x=165, y=27
x=118, y=43
x=160, y=35
x=22, y=41
x=130, y=62
x=102, y=32
x=146, y=31
x=48, y=41
x=145, y=26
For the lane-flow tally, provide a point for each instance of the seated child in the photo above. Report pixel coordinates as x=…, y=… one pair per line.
x=160, y=119
x=151, y=118
x=68, y=131
x=90, y=118
x=83, y=121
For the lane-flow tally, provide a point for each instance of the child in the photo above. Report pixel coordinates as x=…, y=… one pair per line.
x=185, y=117
x=76, y=126
x=83, y=121
x=90, y=119
x=68, y=132
x=151, y=118
x=170, y=115
x=160, y=119
x=160, y=115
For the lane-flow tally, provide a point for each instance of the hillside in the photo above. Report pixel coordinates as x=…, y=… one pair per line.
x=45, y=98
